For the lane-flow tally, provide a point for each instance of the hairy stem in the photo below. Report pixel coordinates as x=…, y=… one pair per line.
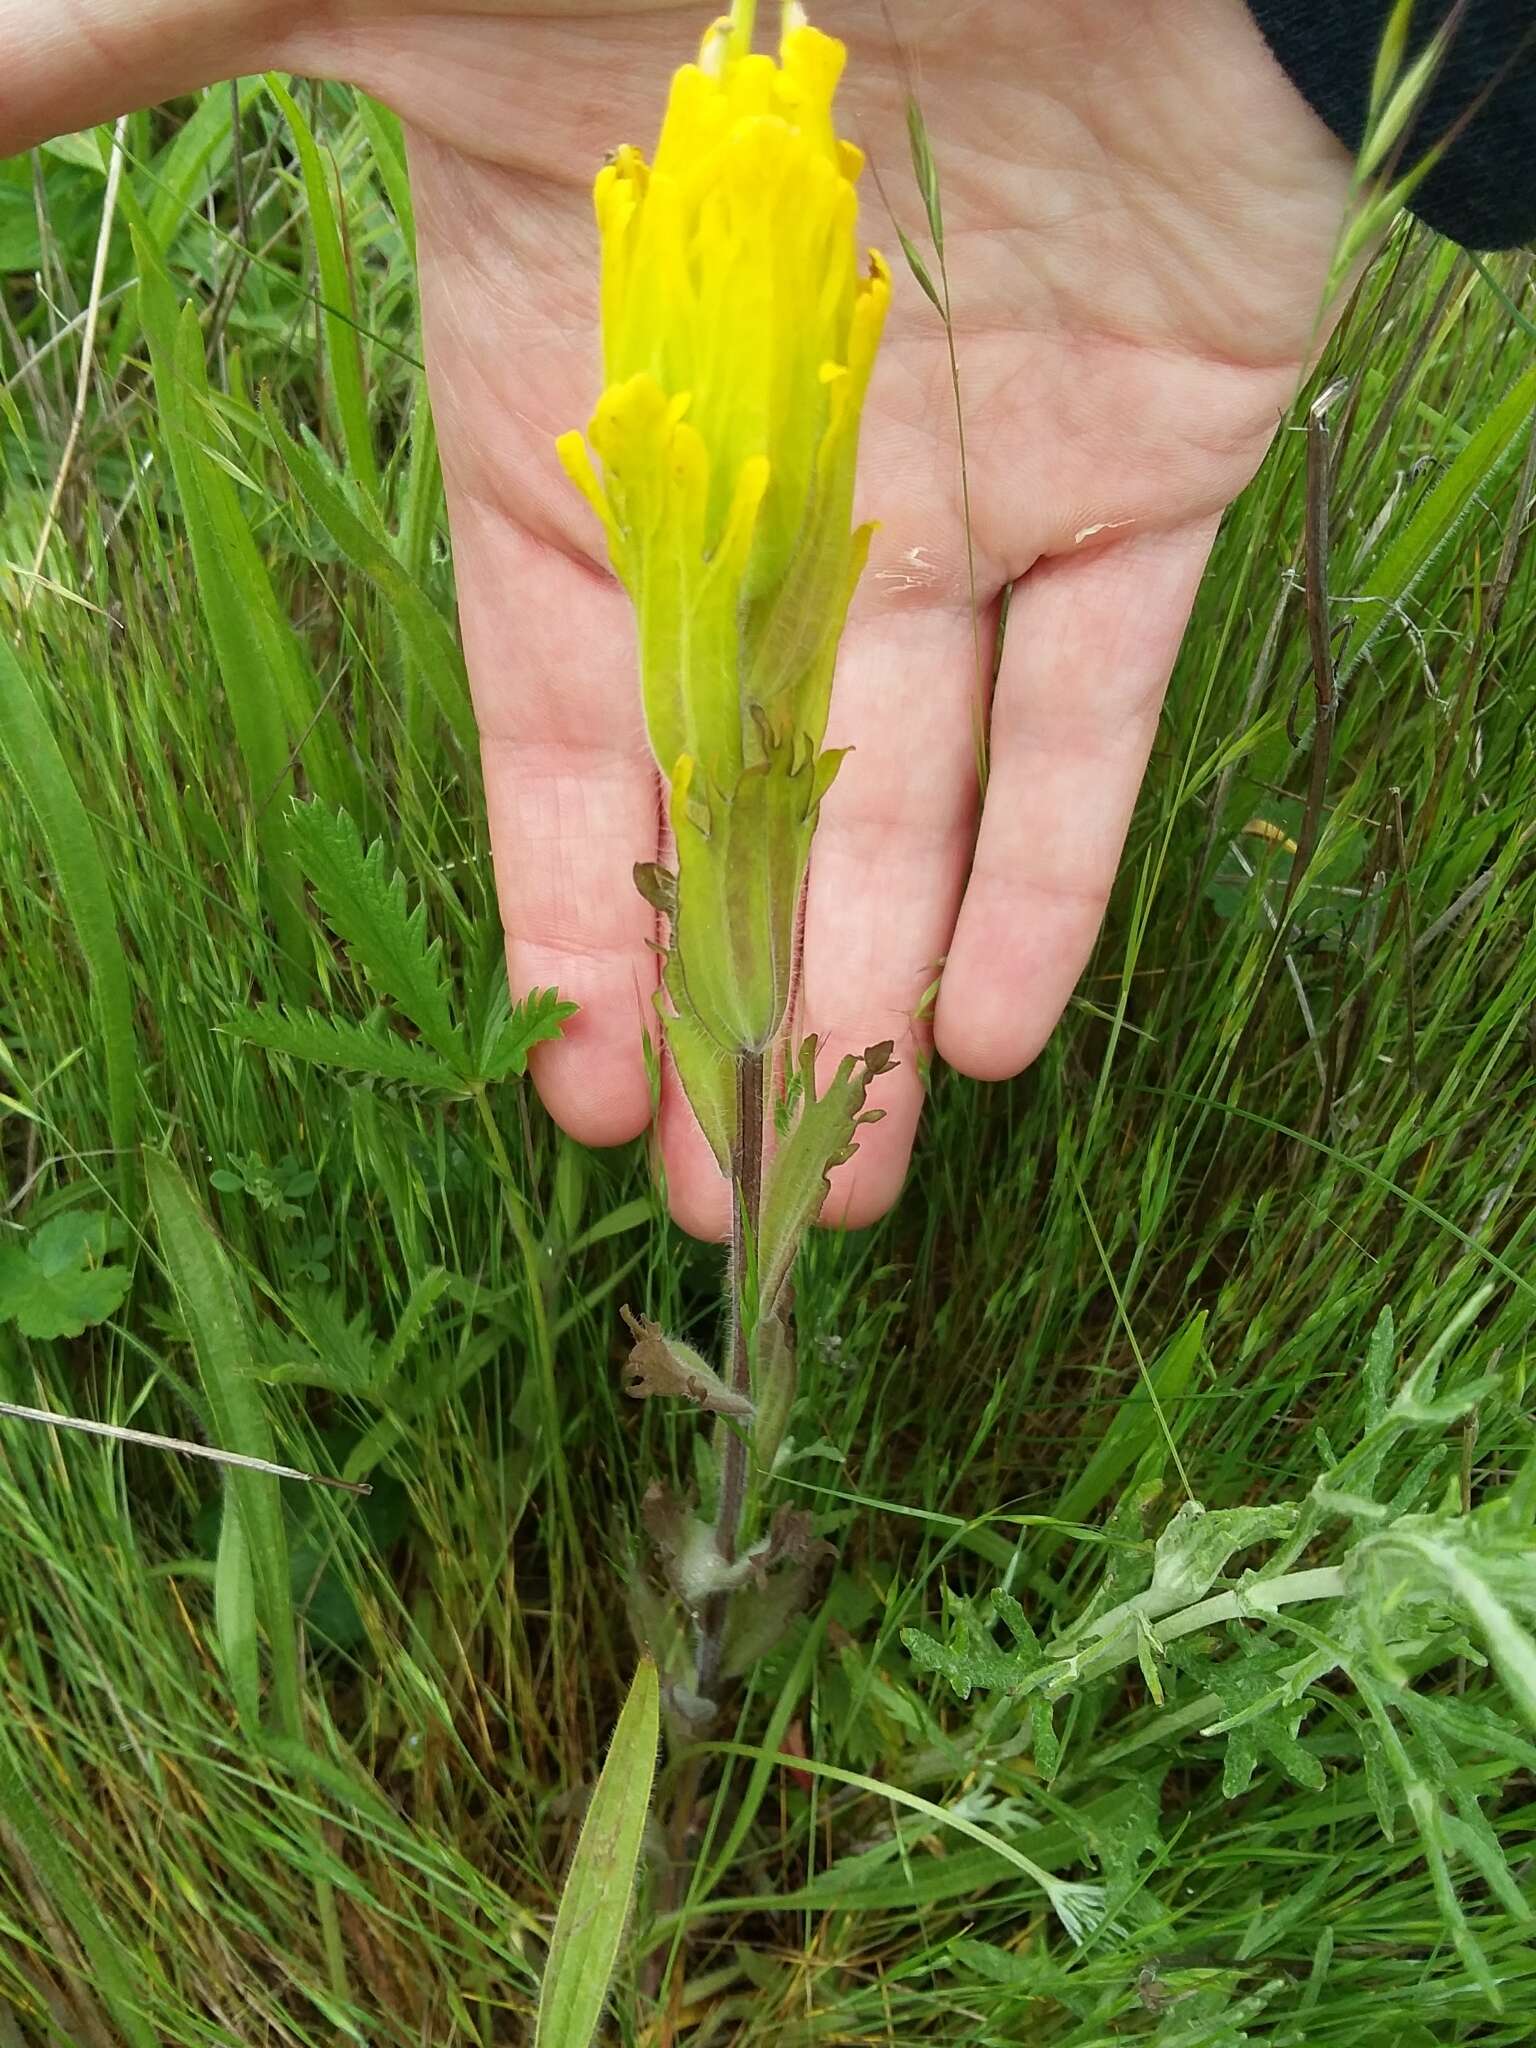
x=746, y=1208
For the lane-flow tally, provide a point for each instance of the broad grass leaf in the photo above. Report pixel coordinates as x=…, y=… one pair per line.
x=343, y=341
x=427, y=637
x=1415, y=546
x=217, y=1324
x=37, y=768
x=594, y=1905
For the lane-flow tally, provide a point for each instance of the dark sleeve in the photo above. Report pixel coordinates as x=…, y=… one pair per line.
x=1484, y=191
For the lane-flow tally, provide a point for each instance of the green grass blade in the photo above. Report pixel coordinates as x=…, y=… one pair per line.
x=1412, y=550
x=218, y=1328
x=234, y=1613
x=112, y=1974
x=387, y=141
x=427, y=636
x=37, y=767
x=1137, y=1424
x=192, y=157
x=343, y=342
x=594, y=1905
x=260, y=684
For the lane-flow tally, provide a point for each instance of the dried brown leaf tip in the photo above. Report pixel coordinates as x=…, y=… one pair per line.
x=660, y=1366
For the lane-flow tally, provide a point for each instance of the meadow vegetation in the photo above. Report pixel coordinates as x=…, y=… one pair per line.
x=1172, y=1679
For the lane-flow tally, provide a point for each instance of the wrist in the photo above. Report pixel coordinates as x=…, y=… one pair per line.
x=67, y=67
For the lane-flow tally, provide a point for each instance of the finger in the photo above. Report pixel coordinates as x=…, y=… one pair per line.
x=888, y=868
x=1091, y=641
x=698, y=1193
x=573, y=802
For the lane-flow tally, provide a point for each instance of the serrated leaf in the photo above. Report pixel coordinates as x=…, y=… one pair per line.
x=1380, y=1357
x=364, y=901
x=54, y=1285
x=594, y=1904
x=540, y=1017
x=370, y=1048
x=971, y=1660
x=824, y=1135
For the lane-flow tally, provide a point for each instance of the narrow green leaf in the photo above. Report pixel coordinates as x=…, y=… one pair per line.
x=387, y=141
x=219, y=1330
x=919, y=270
x=36, y=766
x=1414, y=547
x=196, y=153
x=428, y=638
x=594, y=1905
x=364, y=902
x=926, y=172
x=267, y=683
x=112, y=1975
x=1135, y=1425
x=234, y=1616
x=343, y=343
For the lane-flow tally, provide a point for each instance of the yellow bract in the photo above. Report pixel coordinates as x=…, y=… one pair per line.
x=739, y=332
x=738, y=339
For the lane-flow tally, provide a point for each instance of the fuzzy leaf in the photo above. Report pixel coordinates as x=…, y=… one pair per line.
x=594, y=1904
x=824, y=1135
x=661, y=1365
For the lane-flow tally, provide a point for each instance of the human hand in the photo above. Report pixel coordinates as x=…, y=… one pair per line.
x=1140, y=213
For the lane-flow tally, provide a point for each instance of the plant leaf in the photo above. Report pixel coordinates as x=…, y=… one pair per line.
x=38, y=769
x=538, y=1018
x=217, y=1325
x=364, y=902
x=594, y=1904
x=660, y=1365
x=824, y=1135
x=54, y=1285
x=427, y=635
x=370, y=1048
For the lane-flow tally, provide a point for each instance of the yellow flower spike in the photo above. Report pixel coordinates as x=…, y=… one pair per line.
x=739, y=330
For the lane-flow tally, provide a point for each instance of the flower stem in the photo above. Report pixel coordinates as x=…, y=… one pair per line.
x=746, y=1210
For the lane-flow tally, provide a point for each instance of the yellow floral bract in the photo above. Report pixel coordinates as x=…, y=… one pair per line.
x=739, y=332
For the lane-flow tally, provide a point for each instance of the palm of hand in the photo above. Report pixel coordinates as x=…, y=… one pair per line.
x=1139, y=216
